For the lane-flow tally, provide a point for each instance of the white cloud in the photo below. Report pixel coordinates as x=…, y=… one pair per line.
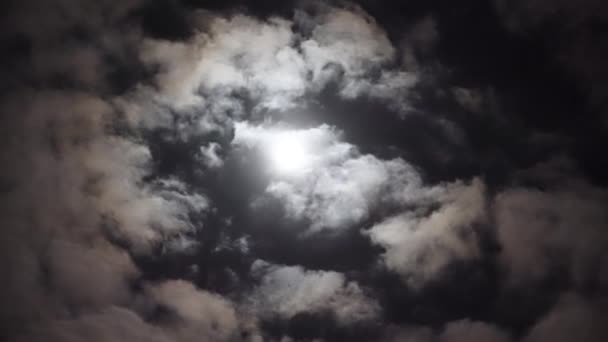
x=235, y=53
x=338, y=186
x=274, y=64
x=202, y=315
x=419, y=244
x=349, y=38
x=210, y=156
x=318, y=146
x=289, y=290
x=391, y=87
x=143, y=213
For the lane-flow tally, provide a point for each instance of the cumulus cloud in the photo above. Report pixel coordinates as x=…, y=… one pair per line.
x=420, y=243
x=141, y=214
x=236, y=53
x=290, y=290
x=341, y=195
x=338, y=186
x=356, y=47
x=347, y=37
x=276, y=62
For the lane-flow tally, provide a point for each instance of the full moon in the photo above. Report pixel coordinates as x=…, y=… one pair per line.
x=289, y=152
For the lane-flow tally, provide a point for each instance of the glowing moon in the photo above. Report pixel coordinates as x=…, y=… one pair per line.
x=289, y=152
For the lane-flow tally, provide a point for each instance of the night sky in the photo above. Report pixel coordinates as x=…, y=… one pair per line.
x=416, y=171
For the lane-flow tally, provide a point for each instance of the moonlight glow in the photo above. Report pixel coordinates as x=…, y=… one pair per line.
x=289, y=152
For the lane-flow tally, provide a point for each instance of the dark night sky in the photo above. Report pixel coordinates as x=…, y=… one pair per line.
x=417, y=171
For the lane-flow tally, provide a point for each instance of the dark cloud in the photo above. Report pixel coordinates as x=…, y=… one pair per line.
x=572, y=317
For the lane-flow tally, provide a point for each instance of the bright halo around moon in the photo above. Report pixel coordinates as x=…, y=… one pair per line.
x=289, y=152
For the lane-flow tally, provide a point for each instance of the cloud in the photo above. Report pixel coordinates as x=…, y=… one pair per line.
x=465, y=330
x=345, y=194
x=276, y=62
x=289, y=290
x=140, y=214
x=339, y=187
x=420, y=243
x=352, y=42
x=560, y=228
x=236, y=53
x=322, y=145
x=418, y=42
x=572, y=318
x=210, y=155
x=73, y=192
x=455, y=331
x=469, y=99
x=391, y=87
x=404, y=333
x=81, y=175
x=200, y=314
x=49, y=215
x=348, y=38
x=101, y=276
x=101, y=241
x=111, y=324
